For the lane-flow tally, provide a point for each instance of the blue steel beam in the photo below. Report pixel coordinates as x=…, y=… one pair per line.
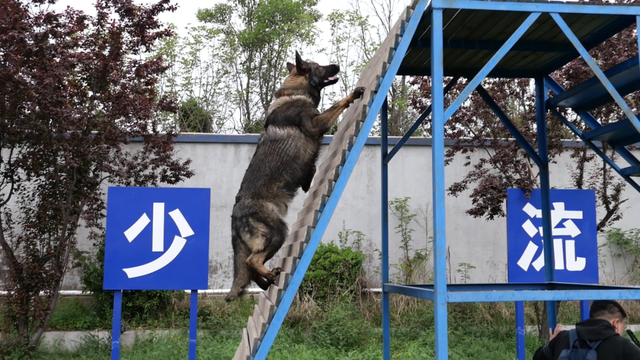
x=341, y=183
x=596, y=69
x=522, y=45
x=422, y=293
x=597, y=150
x=537, y=7
x=517, y=287
x=384, y=211
x=495, y=59
x=548, y=295
x=438, y=196
x=541, y=122
x=415, y=125
x=509, y=125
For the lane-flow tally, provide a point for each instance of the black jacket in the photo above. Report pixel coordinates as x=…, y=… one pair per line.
x=612, y=347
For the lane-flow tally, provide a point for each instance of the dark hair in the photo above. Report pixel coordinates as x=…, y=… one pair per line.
x=607, y=309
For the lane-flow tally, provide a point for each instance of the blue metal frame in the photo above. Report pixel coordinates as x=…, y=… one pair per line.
x=532, y=7
x=441, y=292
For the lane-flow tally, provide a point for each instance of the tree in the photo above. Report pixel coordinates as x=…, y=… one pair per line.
x=192, y=117
x=256, y=39
x=74, y=89
x=198, y=79
x=355, y=38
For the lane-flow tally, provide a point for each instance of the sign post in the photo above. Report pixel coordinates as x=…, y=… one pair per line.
x=140, y=223
x=575, y=243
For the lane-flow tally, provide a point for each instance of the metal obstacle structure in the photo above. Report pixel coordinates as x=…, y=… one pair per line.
x=473, y=39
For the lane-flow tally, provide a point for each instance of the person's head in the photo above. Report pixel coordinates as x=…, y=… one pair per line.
x=611, y=311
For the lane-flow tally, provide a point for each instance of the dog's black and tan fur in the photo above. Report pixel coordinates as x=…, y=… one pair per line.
x=284, y=161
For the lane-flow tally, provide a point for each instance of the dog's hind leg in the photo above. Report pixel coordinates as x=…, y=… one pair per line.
x=276, y=236
x=241, y=272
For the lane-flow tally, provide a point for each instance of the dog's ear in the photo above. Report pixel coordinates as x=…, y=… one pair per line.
x=301, y=65
x=290, y=67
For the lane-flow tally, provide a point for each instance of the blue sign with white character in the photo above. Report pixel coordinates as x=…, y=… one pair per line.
x=157, y=239
x=574, y=234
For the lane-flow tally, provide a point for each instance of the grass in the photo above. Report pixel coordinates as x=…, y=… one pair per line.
x=339, y=330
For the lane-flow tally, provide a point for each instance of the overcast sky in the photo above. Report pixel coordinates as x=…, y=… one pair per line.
x=186, y=13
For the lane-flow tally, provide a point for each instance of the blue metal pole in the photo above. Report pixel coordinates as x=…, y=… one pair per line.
x=543, y=152
x=193, y=324
x=437, y=154
x=584, y=310
x=520, y=331
x=386, y=339
x=115, y=327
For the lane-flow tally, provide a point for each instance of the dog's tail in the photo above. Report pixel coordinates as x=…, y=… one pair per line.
x=241, y=271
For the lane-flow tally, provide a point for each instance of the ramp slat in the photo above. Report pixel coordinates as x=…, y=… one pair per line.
x=253, y=335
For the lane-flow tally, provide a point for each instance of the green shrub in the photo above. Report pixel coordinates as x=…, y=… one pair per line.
x=136, y=305
x=333, y=272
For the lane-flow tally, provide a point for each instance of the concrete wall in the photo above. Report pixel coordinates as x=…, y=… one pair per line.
x=220, y=162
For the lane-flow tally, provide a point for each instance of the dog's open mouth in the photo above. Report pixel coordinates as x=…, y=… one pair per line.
x=331, y=80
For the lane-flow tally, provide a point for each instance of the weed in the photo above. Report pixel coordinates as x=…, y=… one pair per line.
x=625, y=245
x=412, y=266
x=464, y=269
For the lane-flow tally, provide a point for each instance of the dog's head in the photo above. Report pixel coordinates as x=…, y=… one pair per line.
x=308, y=79
x=318, y=76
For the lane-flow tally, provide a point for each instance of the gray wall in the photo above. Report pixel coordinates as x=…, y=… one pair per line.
x=220, y=162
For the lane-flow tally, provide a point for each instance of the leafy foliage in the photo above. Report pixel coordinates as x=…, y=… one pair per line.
x=412, y=265
x=192, y=117
x=333, y=272
x=625, y=245
x=75, y=89
x=256, y=38
x=135, y=304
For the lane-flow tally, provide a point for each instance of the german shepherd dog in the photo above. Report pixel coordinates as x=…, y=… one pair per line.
x=284, y=161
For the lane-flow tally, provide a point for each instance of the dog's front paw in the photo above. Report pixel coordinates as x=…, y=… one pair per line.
x=276, y=272
x=358, y=92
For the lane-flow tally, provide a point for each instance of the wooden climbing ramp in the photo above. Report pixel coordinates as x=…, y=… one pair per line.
x=328, y=175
